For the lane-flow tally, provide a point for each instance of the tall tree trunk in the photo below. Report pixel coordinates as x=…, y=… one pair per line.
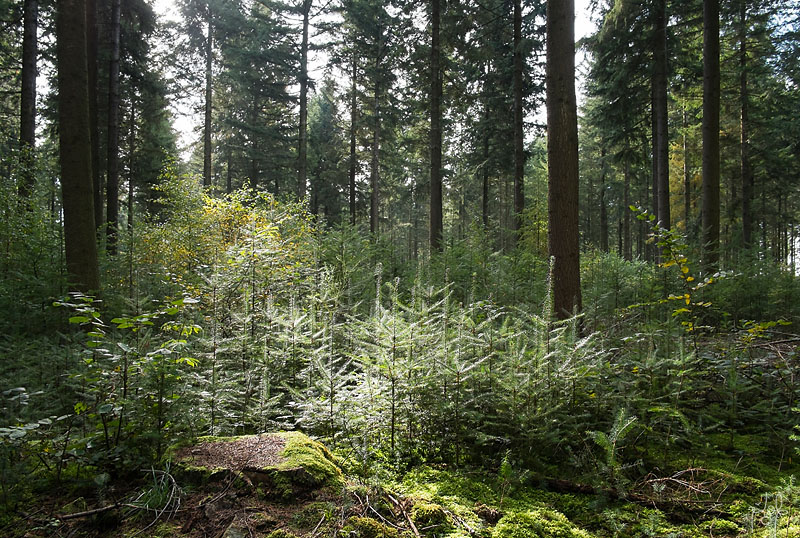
x=562, y=158
x=746, y=168
x=436, y=132
x=519, y=135
x=131, y=155
x=302, y=143
x=353, y=156
x=74, y=147
x=711, y=165
x=375, y=166
x=661, y=142
x=627, y=240
x=209, y=53
x=27, y=113
x=485, y=167
x=687, y=180
x=112, y=178
x=603, y=210
x=229, y=170
x=93, y=45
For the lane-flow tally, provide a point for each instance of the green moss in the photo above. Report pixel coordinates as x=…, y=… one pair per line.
x=281, y=533
x=425, y=514
x=539, y=523
x=720, y=527
x=303, y=452
x=365, y=527
x=308, y=516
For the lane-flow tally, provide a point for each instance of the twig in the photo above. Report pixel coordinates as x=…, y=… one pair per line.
x=405, y=514
x=314, y=532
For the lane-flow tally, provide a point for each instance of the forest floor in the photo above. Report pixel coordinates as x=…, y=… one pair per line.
x=283, y=485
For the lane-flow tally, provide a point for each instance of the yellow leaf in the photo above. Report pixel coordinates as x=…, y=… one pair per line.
x=689, y=278
x=684, y=269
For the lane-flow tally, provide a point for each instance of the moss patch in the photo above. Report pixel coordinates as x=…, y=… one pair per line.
x=539, y=523
x=365, y=527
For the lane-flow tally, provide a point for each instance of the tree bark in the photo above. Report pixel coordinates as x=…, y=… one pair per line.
x=27, y=114
x=687, y=180
x=711, y=159
x=92, y=47
x=209, y=53
x=746, y=168
x=112, y=178
x=519, y=135
x=74, y=145
x=131, y=155
x=302, y=144
x=436, y=132
x=661, y=142
x=562, y=157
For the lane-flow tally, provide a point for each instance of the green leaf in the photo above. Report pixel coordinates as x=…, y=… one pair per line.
x=79, y=319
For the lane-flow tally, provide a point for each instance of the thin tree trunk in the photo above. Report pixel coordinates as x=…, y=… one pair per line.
x=112, y=178
x=436, y=132
x=229, y=171
x=627, y=250
x=661, y=143
x=603, y=210
x=353, y=157
x=687, y=180
x=302, y=145
x=131, y=154
x=27, y=115
x=562, y=157
x=75, y=156
x=746, y=168
x=485, y=168
x=711, y=159
x=375, y=171
x=209, y=53
x=519, y=153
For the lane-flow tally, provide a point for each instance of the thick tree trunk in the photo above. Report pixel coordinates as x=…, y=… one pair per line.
x=519, y=135
x=112, y=178
x=27, y=114
x=661, y=142
x=302, y=144
x=436, y=132
x=353, y=156
x=711, y=159
x=562, y=158
x=74, y=147
x=209, y=53
x=92, y=47
x=746, y=168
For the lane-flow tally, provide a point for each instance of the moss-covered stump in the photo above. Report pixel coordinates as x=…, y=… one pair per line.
x=282, y=465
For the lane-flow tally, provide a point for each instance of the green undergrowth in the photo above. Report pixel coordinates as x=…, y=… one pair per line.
x=746, y=507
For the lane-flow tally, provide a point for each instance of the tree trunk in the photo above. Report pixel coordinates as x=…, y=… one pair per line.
x=711, y=159
x=485, y=168
x=302, y=144
x=661, y=142
x=562, y=157
x=627, y=246
x=74, y=147
x=374, y=179
x=603, y=210
x=131, y=154
x=746, y=168
x=436, y=133
x=353, y=157
x=687, y=180
x=519, y=153
x=27, y=114
x=209, y=53
x=112, y=178
x=92, y=44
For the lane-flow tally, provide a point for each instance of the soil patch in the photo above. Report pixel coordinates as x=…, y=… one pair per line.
x=251, y=451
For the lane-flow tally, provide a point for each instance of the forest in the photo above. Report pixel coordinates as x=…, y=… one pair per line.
x=401, y=269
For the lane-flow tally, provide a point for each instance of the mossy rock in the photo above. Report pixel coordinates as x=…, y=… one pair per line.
x=365, y=527
x=425, y=514
x=538, y=523
x=279, y=465
x=720, y=527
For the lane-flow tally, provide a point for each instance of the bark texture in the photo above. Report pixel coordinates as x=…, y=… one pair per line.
x=562, y=158
x=27, y=114
x=436, y=131
x=711, y=166
x=112, y=178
